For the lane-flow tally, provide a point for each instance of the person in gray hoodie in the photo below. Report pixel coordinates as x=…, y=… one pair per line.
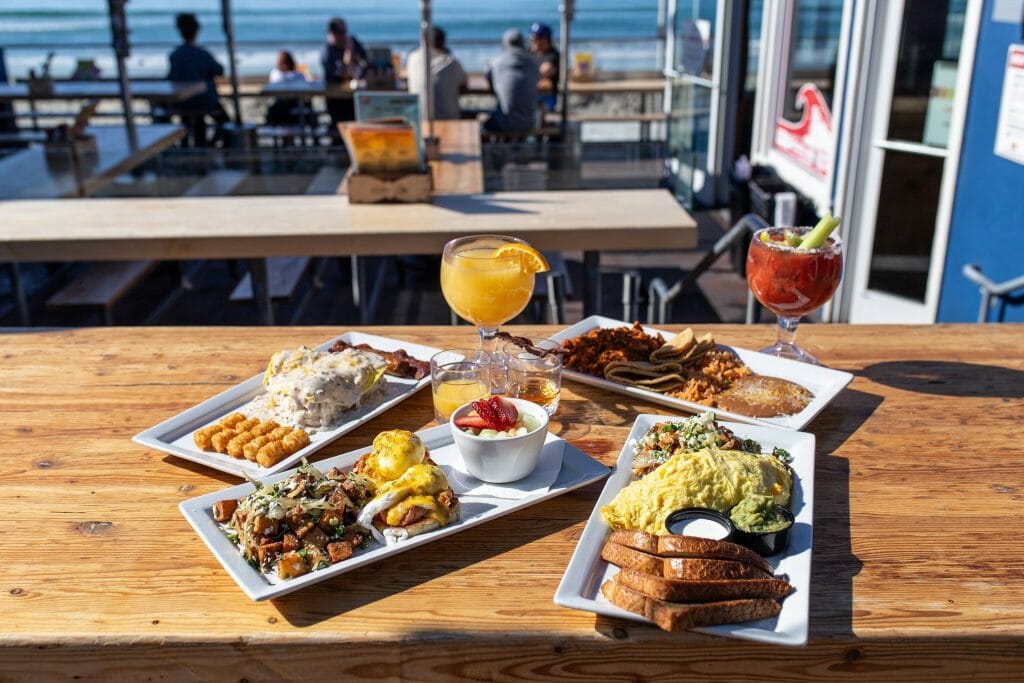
x=513, y=77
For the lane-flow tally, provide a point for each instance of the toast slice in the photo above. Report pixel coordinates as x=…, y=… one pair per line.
x=671, y=545
x=674, y=590
x=682, y=568
x=677, y=616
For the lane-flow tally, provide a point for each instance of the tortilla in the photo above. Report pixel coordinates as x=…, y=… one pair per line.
x=660, y=377
x=683, y=348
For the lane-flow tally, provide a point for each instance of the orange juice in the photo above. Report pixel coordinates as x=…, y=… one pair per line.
x=451, y=394
x=485, y=290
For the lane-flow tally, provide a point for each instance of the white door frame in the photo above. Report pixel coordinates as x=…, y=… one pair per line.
x=772, y=72
x=859, y=186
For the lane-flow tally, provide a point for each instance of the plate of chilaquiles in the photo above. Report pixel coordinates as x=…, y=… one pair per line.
x=705, y=526
x=694, y=372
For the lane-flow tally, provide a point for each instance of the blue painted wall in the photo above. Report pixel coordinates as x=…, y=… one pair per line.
x=988, y=210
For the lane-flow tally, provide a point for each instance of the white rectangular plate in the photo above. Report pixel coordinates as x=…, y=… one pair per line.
x=578, y=469
x=581, y=586
x=824, y=383
x=174, y=435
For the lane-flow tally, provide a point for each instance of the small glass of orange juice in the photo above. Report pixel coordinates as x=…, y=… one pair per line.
x=458, y=376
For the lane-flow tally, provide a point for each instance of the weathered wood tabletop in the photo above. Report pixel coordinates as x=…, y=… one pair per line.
x=27, y=174
x=916, y=565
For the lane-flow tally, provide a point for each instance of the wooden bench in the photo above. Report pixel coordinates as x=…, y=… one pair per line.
x=219, y=183
x=283, y=276
x=103, y=285
x=632, y=117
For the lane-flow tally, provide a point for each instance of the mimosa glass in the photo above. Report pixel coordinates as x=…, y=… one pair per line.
x=791, y=282
x=483, y=288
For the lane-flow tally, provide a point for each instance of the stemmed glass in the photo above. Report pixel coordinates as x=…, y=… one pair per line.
x=487, y=281
x=791, y=282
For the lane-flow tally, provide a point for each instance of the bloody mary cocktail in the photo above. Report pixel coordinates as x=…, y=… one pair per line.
x=792, y=281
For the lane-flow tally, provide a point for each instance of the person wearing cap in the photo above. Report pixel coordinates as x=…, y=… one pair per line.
x=188, y=63
x=448, y=76
x=342, y=59
x=513, y=77
x=550, y=62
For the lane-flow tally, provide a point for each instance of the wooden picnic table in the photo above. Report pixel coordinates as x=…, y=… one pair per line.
x=153, y=90
x=916, y=561
x=257, y=227
x=27, y=174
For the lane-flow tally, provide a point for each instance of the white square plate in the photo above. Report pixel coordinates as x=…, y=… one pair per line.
x=174, y=435
x=581, y=586
x=824, y=383
x=578, y=469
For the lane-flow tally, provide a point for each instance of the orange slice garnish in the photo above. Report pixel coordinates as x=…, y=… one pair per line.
x=531, y=260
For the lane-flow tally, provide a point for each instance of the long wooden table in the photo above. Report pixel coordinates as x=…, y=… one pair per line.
x=27, y=174
x=153, y=90
x=257, y=227
x=916, y=560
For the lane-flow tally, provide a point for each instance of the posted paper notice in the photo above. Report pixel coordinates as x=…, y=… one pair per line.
x=1010, y=129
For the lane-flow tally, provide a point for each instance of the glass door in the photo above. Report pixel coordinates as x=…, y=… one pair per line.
x=900, y=208
x=700, y=54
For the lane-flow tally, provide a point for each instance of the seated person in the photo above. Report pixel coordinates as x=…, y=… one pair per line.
x=448, y=75
x=342, y=59
x=550, y=64
x=189, y=62
x=513, y=77
x=285, y=111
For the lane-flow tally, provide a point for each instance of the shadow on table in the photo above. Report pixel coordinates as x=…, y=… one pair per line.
x=433, y=560
x=947, y=378
x=476, y=204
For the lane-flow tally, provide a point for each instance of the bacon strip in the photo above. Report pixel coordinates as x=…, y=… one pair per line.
x=400, y=363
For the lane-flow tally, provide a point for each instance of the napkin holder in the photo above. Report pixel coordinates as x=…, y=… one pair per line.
x=381, y=186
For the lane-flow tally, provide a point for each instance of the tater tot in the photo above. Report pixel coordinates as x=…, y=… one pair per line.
x=270, y=454
x=294, y=441
x=236, y=444
x=250, y=449
x=232, y=419
x=204, y=437
x=246, y=424
x=280, y=433
x=221, y=439
x=264, y=427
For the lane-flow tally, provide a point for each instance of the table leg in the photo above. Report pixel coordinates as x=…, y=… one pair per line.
x=261, y=290
x=18, y=286
x=591, y=283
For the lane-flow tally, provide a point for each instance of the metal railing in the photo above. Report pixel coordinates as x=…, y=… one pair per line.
x=660, y=296
x=992, y=292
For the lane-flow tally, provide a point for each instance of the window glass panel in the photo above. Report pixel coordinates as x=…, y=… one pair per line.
x=926, y=68
x=813, y=51
x=695, y=37
x=905, y=226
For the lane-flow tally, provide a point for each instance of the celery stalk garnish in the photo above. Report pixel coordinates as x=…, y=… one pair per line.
x=819, y=235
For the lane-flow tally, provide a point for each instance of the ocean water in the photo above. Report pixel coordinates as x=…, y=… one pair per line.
x=620, y=33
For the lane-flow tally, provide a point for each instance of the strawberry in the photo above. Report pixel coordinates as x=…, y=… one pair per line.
x=509, y=410
x=471, y=422
x=493, y=418
x=499, y=415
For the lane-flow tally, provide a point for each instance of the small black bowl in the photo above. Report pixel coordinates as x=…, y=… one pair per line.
x=765, y=544
x=708, y=523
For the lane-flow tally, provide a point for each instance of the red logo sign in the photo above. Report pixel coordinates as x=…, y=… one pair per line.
x=809, y=141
